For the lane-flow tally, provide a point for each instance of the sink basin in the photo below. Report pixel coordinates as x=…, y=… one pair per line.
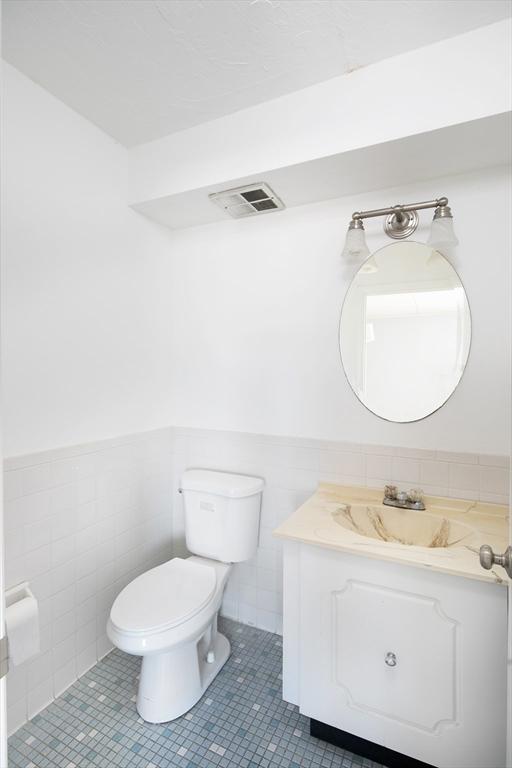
x=401, y=526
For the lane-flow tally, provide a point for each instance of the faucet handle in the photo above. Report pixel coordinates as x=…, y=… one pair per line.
x=415, y=494
x=390, y=491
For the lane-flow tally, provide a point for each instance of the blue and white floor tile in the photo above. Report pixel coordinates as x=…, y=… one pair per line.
x=241, y=721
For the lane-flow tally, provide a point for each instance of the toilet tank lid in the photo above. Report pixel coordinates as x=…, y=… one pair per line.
x=221, y=483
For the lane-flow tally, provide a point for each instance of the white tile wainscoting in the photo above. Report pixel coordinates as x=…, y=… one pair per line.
x=292, y=468
x=82, y=522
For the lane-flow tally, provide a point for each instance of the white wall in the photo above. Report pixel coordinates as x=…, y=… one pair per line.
x=82, y=348
x=113, y=325
x=254, y=309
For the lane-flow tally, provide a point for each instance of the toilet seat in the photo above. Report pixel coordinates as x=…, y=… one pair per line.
x=163, y=597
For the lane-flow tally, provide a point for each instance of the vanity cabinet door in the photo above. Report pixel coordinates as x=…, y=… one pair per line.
x=403, y=657
x=394, y=654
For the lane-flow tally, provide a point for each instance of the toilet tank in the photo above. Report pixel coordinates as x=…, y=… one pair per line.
x=222, y=514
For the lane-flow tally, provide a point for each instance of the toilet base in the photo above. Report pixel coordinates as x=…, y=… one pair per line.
x=171, y=683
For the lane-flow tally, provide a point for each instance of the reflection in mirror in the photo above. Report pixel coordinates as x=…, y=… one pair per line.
x=405, y=332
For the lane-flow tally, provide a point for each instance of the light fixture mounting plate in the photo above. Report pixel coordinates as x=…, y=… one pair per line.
x=400, y=228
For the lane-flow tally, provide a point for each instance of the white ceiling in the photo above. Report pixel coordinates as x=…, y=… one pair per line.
x=141, y=69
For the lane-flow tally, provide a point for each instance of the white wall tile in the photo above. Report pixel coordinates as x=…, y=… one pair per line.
x=460, y=458
x=63, y=524
x=86, y=636
x=414, y=453
x=37, y=534
x=463, y=476
x=63, y=575
x=39, y=670
x=494, y=480
x=462, y=493
x=379, y=467
x=13, y=488
x=37, y=506
x=268, y=620
x=494, y=498
x=42, y=586
x=494, y=461
x=64, y=651
x=37, y=562
x=63, y=602
x=17, y=684
x=380, y=450
x=85, y=587
x=39, y=697
x=73, y=468
x=63, y=550
x=86, y=611
x=269, y=600
x=14, y=541
x=16, y=715
x=63, y=677
x=248, y=614
x=45, y=612
x=103, y=646
x=267, y=579
x=373, y=482
x=86, y=659
x=405, y=470
x=64, y=627
x=435, y=473
x=36, y=478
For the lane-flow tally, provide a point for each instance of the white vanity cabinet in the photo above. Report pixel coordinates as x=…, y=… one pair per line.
x=408, y=658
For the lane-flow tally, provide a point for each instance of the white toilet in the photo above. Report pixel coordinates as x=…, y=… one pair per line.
x=168, y=615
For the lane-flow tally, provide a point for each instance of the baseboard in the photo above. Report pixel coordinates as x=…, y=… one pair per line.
x=364, y=748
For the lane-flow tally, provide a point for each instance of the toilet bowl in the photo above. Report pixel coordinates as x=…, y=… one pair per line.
x=168, y=615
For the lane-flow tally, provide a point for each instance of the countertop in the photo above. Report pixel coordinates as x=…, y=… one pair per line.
x=334, y=514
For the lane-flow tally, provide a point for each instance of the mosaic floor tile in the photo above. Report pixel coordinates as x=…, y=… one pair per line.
x=241, y=722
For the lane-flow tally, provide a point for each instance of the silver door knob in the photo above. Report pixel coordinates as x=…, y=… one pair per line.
x=488, y=559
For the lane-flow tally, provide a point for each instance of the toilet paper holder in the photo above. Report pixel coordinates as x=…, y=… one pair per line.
x=21, y=641
x=4, y=656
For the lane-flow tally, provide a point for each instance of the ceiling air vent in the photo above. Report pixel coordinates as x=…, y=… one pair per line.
x=247, y=201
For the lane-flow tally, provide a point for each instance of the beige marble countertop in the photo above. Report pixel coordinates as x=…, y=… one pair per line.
x=450, y=531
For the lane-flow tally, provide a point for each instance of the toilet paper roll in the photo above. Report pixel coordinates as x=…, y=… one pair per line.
x=22, y=623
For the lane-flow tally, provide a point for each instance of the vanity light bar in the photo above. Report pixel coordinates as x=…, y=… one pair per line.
x=397, y=210
x=402, y=220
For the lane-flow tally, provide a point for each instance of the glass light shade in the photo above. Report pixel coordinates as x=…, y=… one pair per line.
x=355, y=246
x=442, y=236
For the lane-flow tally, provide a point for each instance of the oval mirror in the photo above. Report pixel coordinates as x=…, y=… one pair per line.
x=405, y=332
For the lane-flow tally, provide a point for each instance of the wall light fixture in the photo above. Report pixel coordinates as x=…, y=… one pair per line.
x=400, y=222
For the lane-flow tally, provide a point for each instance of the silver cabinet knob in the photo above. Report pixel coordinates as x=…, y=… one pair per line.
x=488, y=559
x=390, y=659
